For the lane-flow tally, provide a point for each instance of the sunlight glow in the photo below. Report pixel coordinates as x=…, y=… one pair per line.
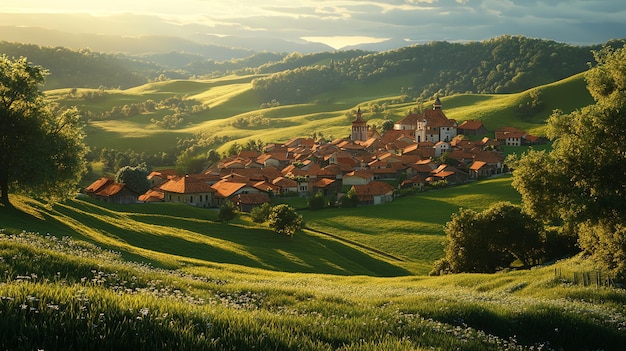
x=338, y=42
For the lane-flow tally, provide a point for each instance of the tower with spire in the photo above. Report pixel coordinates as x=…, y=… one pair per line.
x=359, y=128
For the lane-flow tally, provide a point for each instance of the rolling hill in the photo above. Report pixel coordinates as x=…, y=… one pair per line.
x=230, y=98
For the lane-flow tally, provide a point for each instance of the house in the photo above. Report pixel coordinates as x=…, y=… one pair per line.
x=480, y=169
x=326, y=186
x=152, y=195
x=441, y=147
x=159, y=177
x=246, y=202
x=358, y=177
x=407, y=123
x=472, y=127
x=286, y=185
x=415, y=182
x=510, y=136
x=226, y=190
x=191, y=190
x=450, y=174
x=106, y=189
x=374, y=193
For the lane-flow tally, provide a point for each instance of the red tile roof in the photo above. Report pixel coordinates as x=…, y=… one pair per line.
x=105, y=187
x=471, y=125
x=152, y=195
x=95, y=186
x=226, y=189
x=186, y=185
x=324, y=182
x=361, y=174
x=252, y=199
x=373, y=188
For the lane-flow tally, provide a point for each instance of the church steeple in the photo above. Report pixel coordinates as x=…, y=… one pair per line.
x=359, y=128
x=437, y=104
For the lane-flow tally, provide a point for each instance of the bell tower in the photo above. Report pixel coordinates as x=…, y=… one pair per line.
x=359, y=128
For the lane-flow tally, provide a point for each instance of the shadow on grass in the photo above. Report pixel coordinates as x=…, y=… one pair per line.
x=302, y=253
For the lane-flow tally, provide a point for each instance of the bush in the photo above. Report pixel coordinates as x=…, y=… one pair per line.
x=285, y=220
x=228, y=211
x=261, y=213
x=317, y=201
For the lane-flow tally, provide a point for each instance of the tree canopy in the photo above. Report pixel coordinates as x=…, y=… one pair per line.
x=581, y=183
x=284, y=219
x=41, y=147
x=135, y=178
x=487, y=241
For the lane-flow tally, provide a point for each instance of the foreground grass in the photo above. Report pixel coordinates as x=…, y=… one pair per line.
x=58, y=294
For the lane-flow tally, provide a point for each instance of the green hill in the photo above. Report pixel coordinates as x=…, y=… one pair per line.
x=230, y=99
x=403, y=237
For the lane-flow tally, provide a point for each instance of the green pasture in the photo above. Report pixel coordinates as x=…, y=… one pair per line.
x=399, y=238
x=411, y=227
x=171, y=235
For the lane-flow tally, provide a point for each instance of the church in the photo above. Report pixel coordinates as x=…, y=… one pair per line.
x=430, y=125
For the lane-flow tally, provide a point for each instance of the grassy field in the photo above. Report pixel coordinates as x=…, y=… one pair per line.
x=411, y=227
x=404, y=236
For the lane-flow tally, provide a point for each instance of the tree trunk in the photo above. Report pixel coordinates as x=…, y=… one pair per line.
x=4, y=187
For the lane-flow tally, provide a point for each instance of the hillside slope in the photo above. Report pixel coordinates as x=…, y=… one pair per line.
x=229, y=100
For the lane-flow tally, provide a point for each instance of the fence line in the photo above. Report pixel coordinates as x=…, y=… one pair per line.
x=586, y=278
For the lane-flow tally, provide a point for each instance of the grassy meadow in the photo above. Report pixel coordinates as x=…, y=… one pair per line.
x=56, y=293
x=403, y=237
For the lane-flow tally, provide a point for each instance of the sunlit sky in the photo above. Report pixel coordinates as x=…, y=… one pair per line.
x=336, y=23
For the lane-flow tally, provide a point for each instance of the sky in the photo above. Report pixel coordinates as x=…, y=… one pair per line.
x=334, y=22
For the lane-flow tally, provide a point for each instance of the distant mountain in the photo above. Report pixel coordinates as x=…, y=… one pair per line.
x=390, y=44
x=263, y=44
x=209, y=47
x=120, y=44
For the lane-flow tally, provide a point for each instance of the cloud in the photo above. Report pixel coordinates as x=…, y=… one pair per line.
x=573, y=21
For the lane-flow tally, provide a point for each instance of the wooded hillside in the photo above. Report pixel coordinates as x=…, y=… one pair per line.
x=500, y=65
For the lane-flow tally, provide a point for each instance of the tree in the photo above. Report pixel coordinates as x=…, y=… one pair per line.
x=285, y=220
x=580, y=183
x=387, y=125
x=261, y=213
x=41, y=147
x=135, y=178
x=484, y=242
x=350, y=200
x=227, y=212
x=317, y=201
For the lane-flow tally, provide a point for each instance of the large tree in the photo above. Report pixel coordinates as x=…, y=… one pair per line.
x=581, y=183
x=41, y=147
x=487, y=241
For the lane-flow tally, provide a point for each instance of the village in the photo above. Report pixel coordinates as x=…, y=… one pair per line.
x=422, y=149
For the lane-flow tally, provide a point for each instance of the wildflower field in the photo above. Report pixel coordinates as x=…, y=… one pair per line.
x=59, y=294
